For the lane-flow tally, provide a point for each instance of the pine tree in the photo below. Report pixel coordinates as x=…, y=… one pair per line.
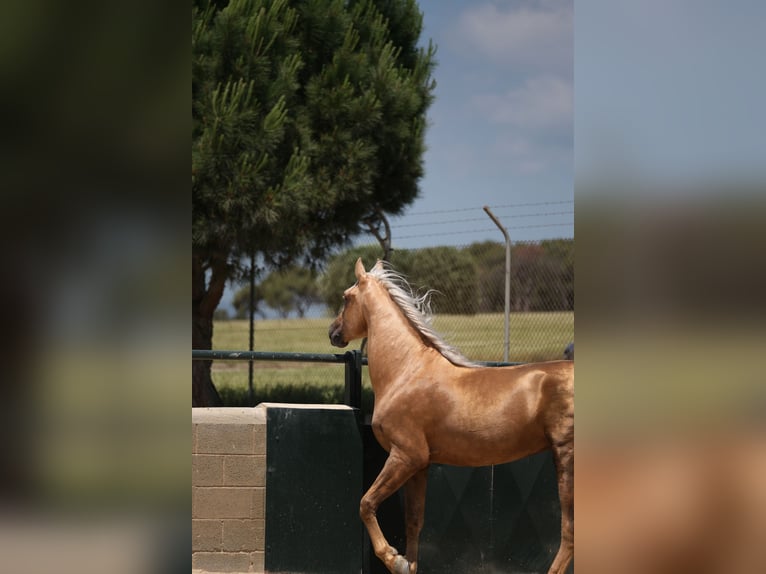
x=308, y=117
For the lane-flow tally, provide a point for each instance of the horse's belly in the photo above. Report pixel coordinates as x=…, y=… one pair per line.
x=481, y=448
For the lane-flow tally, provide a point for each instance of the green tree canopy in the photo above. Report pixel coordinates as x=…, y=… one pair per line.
x=307, y=117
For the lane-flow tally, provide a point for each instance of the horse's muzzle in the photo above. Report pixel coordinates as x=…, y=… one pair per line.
x=336, y=336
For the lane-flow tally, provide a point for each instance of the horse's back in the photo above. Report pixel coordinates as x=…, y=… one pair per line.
x=550, y=388
x=553, y=379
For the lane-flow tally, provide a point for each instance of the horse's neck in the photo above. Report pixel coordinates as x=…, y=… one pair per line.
x=390, y=331
x=391, y=342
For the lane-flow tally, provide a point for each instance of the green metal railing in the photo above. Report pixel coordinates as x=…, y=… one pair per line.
x=353, y=361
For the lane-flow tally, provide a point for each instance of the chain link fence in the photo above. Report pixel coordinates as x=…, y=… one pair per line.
x=469, y=298
x=468, y=302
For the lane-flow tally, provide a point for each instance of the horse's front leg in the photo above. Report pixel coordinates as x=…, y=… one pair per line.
x=395, y=473
x=414, y=510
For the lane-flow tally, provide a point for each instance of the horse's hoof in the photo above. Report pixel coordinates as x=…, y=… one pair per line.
x=401, y=566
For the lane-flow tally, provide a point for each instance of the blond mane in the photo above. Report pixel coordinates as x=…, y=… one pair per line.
x=417, y=310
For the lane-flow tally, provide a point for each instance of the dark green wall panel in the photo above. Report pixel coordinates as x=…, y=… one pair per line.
x=313, y=488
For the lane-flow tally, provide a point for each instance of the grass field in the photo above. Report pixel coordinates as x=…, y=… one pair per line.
x=534, y=337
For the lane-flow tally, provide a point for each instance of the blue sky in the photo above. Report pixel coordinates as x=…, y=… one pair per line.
x=500, y=129
x=670, y=93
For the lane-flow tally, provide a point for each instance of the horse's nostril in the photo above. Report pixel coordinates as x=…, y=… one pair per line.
x=336, y=337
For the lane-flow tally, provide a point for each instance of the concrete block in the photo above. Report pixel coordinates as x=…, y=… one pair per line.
x=259, y=439
x=243, y=535
x=223, y=502
x=207, y=535
x=207, y=470
x=221, y=561
x=258, y=509
x=257, y=561
x=225, y=439
x=239, y=415
x=244, y=470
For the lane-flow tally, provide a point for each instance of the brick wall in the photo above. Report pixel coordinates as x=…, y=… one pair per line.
x=228, y=489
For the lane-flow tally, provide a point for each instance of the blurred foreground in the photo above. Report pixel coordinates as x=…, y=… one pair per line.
x=671, y=395
x=670, y=282
x=681, y=505
x=94, y=456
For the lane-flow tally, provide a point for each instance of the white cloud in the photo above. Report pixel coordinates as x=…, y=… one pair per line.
x=541, y=103
x=532, y=123
x=536, y=35
x=525, y=156
x=515, y=83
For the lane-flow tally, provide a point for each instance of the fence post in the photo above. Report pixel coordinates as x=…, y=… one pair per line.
x=352, y=394
x=496, y=221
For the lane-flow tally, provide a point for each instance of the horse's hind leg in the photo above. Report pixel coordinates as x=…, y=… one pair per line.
x=563, y=455
x=415, y=506
x=394, y=474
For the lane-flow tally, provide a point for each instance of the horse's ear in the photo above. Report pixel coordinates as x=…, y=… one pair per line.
x=359, y=270
x=378, y=266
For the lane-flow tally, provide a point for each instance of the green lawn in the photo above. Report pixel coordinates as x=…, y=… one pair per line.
x=534, y=337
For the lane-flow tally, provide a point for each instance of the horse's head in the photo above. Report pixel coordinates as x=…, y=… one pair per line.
x=351, y=324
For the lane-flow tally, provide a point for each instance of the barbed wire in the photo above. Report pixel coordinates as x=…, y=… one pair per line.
x=483, y=230
x=472, y=219
x=467, y=209
x=531, y=204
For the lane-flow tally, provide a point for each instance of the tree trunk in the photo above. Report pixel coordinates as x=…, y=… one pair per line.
x=204, y=302
x=204, y=393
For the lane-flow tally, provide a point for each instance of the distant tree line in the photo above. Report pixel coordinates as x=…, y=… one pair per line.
x=471, y=279
x=290, y=290
x=467, y=280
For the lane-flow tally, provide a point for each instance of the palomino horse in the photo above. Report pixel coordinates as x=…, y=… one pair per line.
x=432, y=405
